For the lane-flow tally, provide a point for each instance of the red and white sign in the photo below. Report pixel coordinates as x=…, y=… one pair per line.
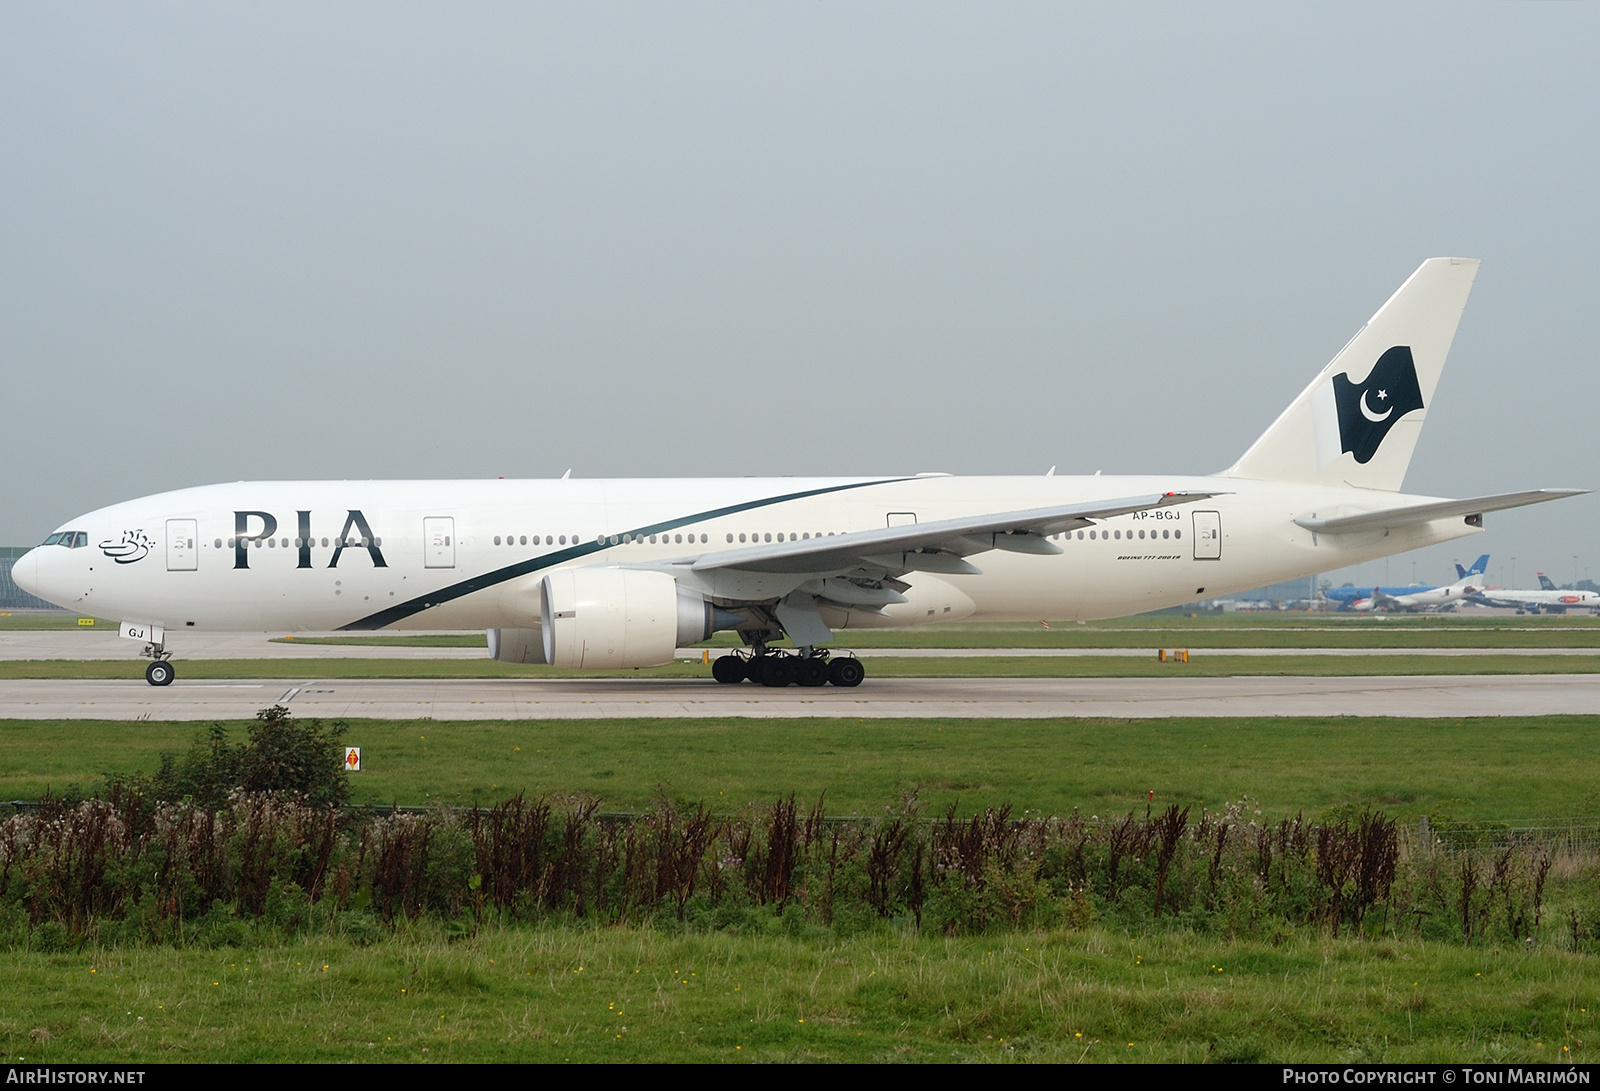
x=352, y=759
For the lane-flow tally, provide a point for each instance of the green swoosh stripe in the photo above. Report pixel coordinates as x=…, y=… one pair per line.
x=403, y=610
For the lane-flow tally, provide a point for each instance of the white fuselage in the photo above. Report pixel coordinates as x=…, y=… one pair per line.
x=266, y=555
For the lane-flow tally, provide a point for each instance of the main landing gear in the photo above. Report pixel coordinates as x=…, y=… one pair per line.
x=779, y=669
x=160, y=672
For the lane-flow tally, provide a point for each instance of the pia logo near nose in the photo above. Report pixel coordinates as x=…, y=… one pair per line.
x=134, y=545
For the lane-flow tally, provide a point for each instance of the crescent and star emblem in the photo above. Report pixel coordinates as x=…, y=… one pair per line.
x=1366, y=410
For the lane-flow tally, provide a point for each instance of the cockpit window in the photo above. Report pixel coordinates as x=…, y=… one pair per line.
x=54, y=539
x=80, y=539
x=72, y=539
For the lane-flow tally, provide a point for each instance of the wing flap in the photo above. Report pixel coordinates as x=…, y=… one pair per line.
x=936, y=543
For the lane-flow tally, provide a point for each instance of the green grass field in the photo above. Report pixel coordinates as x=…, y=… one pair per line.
x=636, y=994
x=1491, y=769
x=579, y=993
x=1240, y=630
x=886, y=666
x=1262, y=630
x=48, y=620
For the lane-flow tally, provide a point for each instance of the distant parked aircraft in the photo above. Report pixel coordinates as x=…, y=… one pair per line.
x=1548, y=599
x=1368, y=598
x=1435, y=598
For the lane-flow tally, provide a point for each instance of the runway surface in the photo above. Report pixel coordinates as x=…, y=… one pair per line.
x=102, y=644
x=1015, y=698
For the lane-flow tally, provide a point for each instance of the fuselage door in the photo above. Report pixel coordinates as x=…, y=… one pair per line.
x=183, y=554
x=1208, y=536
x=439, y=539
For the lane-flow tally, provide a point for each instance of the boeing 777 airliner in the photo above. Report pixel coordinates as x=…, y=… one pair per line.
x=608, y=574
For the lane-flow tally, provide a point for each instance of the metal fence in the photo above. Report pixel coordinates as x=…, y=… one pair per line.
x=1575, y=835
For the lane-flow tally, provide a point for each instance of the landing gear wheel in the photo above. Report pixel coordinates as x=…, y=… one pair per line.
x=728, y=669
x=846, y=672
x=160, y=673
x=782, y=670
x=814, y=671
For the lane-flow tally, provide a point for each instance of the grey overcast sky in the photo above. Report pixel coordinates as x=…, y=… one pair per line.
x=403, y=240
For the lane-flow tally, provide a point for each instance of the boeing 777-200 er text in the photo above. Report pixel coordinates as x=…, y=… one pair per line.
x=608, y=574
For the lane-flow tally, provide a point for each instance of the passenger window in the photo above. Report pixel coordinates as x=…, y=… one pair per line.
x=497, y=539
x=1177, y=534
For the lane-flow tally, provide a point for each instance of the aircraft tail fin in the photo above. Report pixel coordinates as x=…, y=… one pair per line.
x=1479, y=567
x=1358, y=422
x=1546, y=583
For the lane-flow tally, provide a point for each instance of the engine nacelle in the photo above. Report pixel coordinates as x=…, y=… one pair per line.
x=599, y=618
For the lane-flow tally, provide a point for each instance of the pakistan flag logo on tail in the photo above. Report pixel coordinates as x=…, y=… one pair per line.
x=1367, y=410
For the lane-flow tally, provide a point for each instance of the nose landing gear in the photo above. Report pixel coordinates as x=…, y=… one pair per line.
x=160, y=672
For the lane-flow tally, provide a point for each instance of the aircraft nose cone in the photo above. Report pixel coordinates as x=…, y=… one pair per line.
x=25, y=572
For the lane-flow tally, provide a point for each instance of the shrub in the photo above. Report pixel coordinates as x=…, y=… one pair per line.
x=279, y=754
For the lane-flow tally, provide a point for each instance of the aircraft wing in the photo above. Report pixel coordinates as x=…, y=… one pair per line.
x=1390, y=518
x=938, y=546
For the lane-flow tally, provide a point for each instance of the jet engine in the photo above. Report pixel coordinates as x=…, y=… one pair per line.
x=599, y=618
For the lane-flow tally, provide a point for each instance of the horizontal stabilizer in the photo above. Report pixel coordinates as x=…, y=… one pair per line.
x=934, y=547
x=1390, y=518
